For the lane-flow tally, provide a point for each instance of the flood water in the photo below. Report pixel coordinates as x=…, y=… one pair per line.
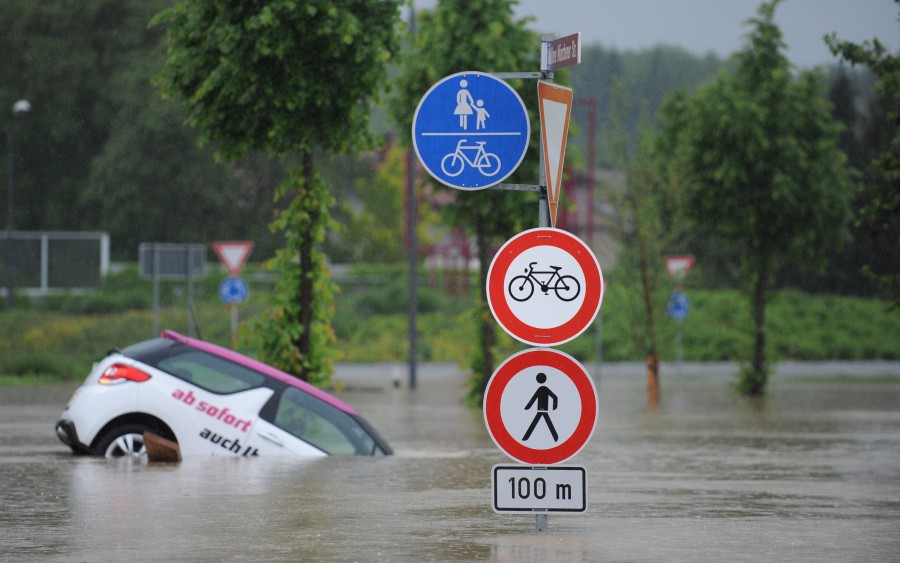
x=810, y=474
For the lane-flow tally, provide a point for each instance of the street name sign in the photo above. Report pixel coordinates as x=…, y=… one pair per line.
x=470, y=131
x=544, y=287
x=555, y=105
x=540, y=406
x=523, y=488
x=562, y=52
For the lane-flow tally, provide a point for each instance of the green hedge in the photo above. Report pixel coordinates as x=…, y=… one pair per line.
x=63, y=335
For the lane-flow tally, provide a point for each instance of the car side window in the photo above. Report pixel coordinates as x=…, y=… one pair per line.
x=322, y=425
x=212, y=373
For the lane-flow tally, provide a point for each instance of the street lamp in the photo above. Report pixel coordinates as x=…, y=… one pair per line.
x=19, y=108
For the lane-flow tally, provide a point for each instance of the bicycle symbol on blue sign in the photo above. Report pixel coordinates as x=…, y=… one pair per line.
x=471, y=130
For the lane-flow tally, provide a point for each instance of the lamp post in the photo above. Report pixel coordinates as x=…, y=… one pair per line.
x=19, y=108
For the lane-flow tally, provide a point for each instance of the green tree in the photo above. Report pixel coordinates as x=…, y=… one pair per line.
x=286, y=78
x=640, y=203
x=460, y=35
x=761, y=169
x=880, y=216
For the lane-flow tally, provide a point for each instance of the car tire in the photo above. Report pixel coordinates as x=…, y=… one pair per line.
x=122, y=441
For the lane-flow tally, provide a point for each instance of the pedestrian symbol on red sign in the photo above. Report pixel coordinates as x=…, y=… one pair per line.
x=542, y=397
x=540, y=406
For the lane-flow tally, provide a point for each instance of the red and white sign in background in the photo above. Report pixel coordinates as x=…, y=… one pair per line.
x=545, y=287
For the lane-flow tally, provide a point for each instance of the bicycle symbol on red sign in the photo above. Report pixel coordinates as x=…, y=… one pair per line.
x=521, y=288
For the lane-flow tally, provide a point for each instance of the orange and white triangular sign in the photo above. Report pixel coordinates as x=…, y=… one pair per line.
x=233, y=254
x=555, y=104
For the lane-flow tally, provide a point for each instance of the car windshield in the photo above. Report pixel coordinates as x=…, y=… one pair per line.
x=325, y=427
x=211, y=373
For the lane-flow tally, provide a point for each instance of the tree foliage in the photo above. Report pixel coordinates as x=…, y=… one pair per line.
x=757, y=152
x=459, y=35
x=286, y=78
x=880, y=215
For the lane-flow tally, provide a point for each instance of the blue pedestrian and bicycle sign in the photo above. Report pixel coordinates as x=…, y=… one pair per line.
x=471, y=130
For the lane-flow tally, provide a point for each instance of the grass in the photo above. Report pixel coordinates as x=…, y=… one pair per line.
x=61, y=337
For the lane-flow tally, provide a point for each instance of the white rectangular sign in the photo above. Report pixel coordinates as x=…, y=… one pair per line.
x=533, y=489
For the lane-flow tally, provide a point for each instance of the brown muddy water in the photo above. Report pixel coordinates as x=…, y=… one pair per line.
x=810, y=474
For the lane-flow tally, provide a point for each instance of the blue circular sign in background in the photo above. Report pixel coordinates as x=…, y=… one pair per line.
x=233, y=290
x=471, y=130
x=678, y=306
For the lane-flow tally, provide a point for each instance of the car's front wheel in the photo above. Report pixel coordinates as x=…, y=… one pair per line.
x=123, y=441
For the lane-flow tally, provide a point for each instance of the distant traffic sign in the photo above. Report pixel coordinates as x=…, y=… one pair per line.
x=544, y=287
x=678, y=306
x=471, y=130
x=233, y=254
x=678, y=267
x=540, y=406
x=233, y=290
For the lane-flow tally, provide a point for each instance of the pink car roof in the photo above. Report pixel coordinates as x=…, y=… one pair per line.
x=266, y=369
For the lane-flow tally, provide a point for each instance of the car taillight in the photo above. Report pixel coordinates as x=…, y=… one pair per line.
x=118, y=373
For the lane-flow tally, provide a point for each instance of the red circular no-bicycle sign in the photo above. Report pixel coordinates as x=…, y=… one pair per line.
x=545, y=287
x=540, y=406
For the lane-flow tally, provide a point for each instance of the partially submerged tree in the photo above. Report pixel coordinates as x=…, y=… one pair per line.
x=286, y=78
x=757, y=153
x=640, y=201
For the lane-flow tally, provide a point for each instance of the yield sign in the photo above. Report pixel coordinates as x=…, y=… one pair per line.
x=679, y=266
x=233, y=254
x=555, y=104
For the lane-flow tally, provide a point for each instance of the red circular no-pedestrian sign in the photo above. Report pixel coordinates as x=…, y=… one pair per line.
x=540, y=406
x=545, y=287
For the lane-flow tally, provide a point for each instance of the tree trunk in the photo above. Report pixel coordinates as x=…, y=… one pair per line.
x=653, y=399
x=757, y=378
x=653, y=395
x=303, y=342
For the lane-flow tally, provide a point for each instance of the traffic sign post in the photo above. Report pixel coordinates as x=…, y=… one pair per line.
x=233, y=290
x=544, y=287
x=470, y=131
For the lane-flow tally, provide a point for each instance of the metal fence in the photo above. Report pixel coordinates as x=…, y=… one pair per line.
x=44, y=261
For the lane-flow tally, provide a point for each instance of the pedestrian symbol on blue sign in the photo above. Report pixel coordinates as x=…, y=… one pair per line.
x=471, y=130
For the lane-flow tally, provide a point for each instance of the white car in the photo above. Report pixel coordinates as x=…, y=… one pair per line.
x=210, y=401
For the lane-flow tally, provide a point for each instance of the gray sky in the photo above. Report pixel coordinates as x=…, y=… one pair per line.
x=701, y=26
